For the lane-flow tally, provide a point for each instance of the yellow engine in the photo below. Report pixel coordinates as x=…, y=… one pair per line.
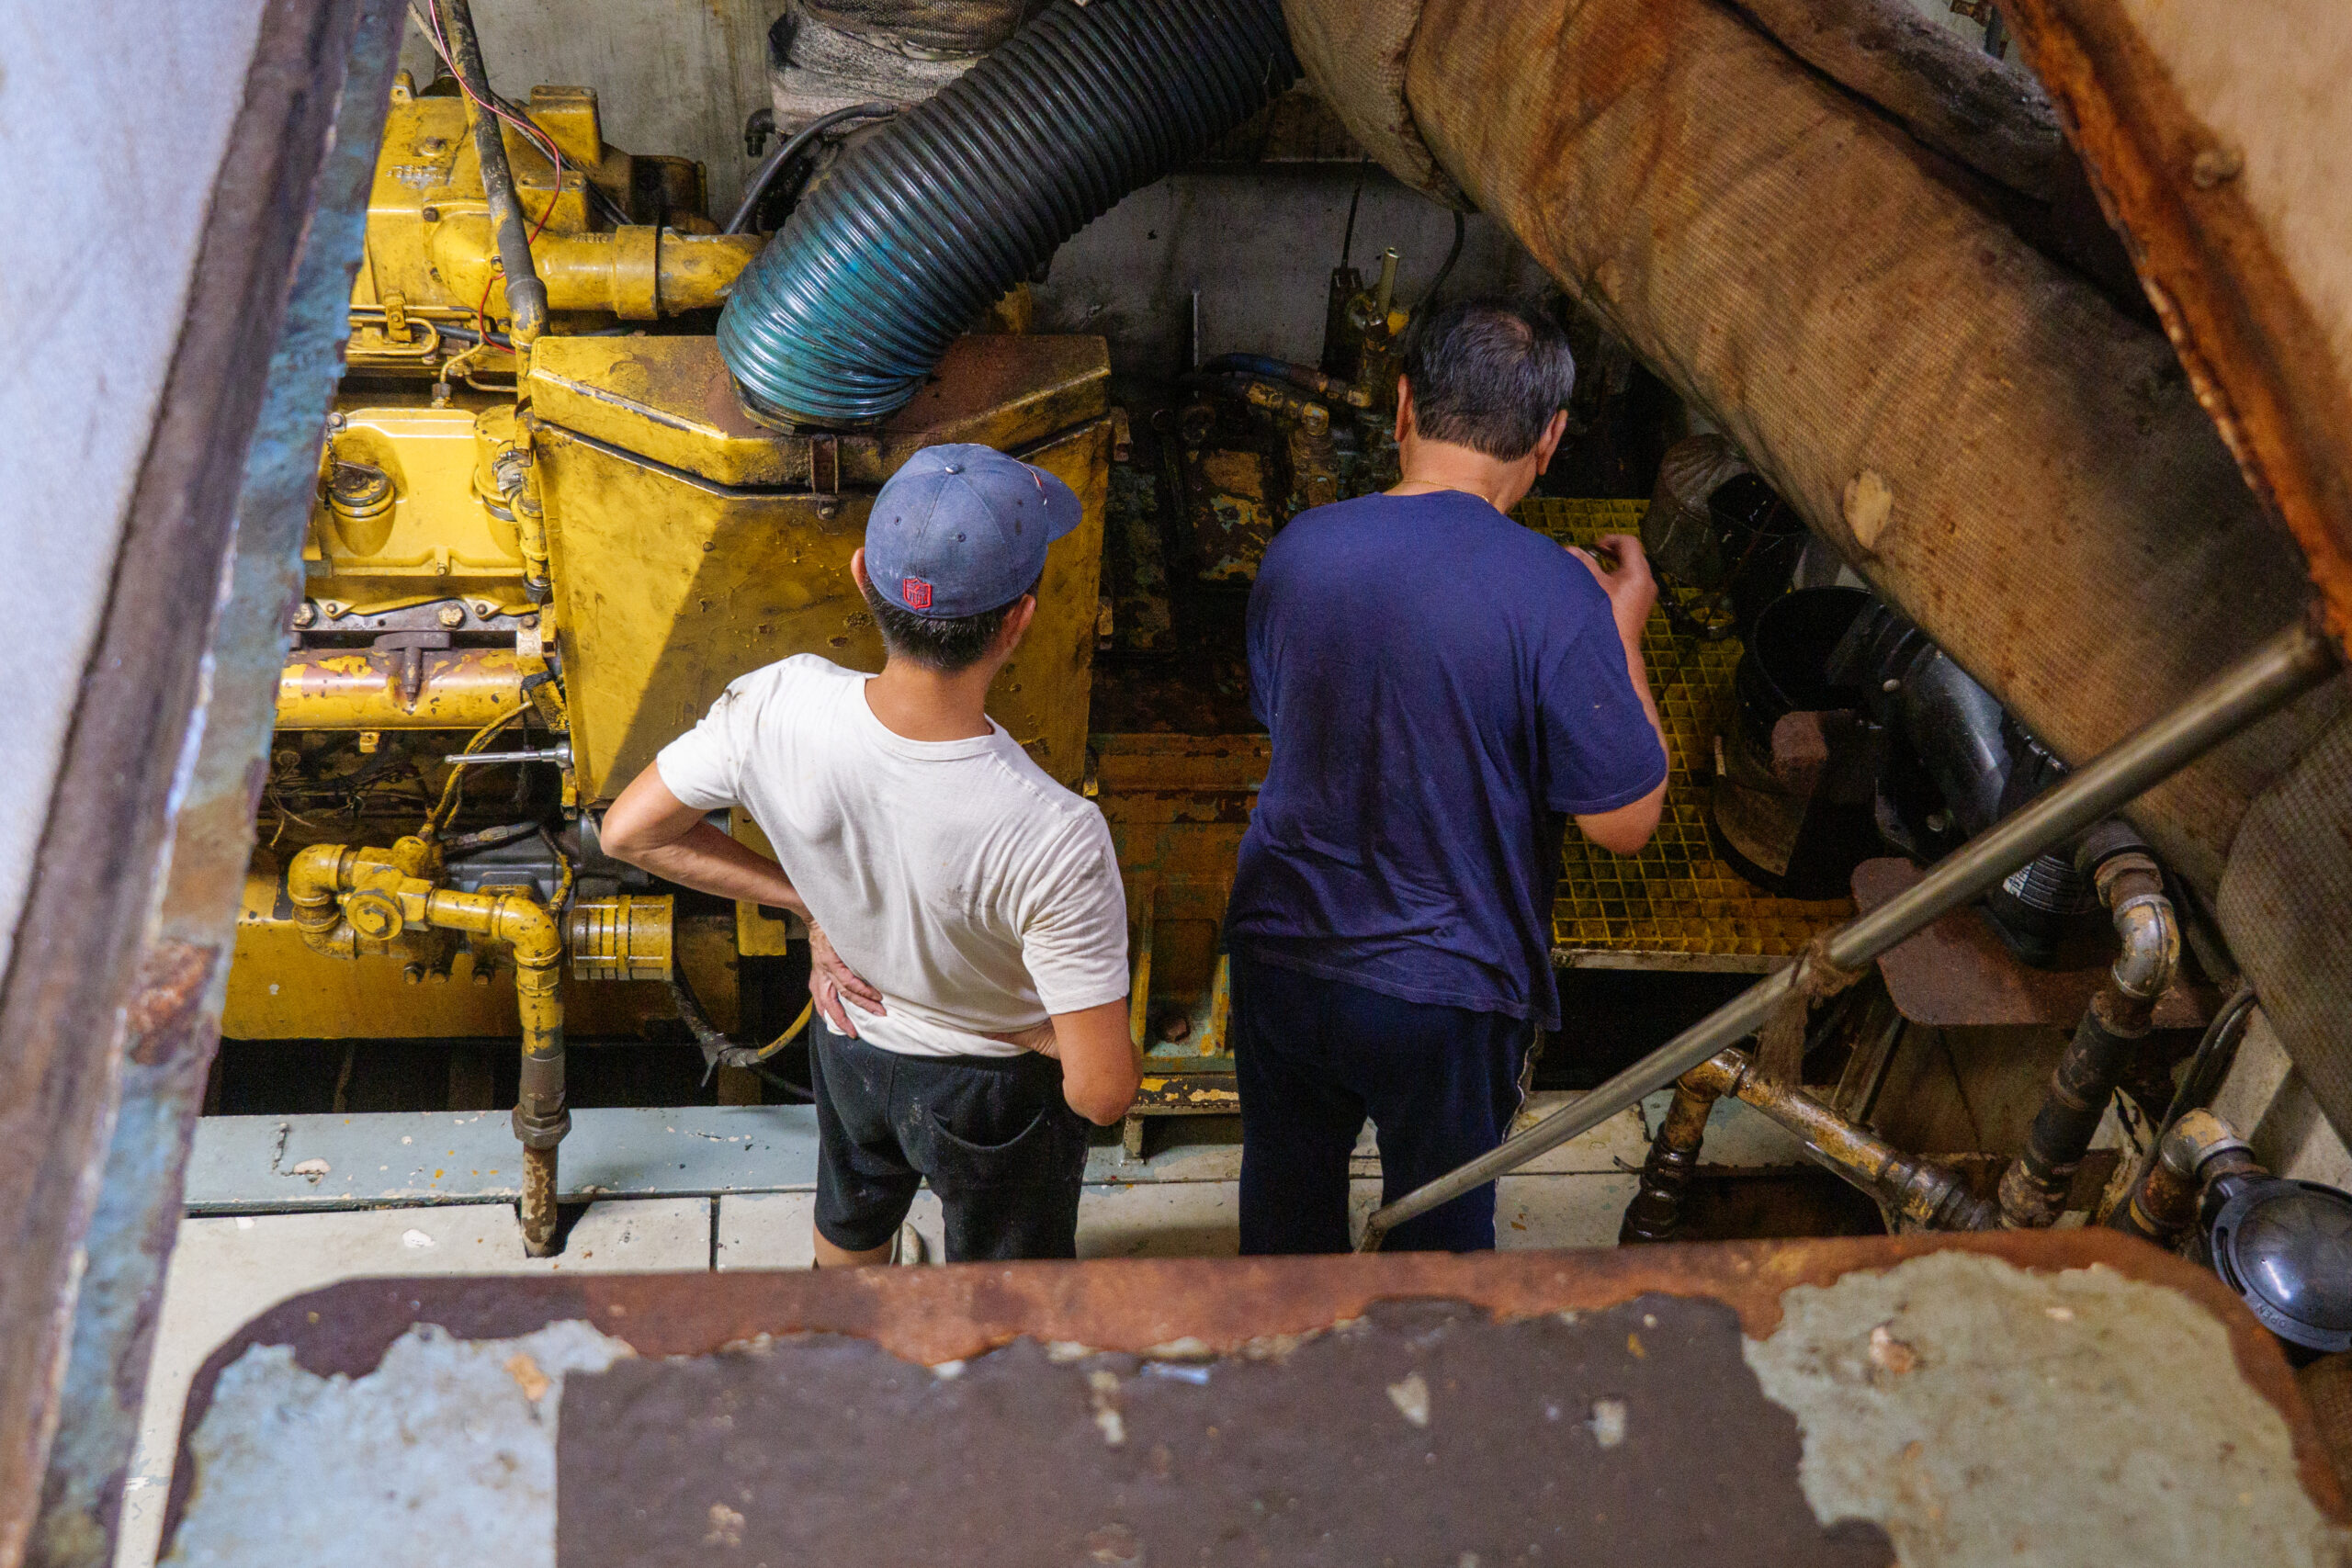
x=546, y=559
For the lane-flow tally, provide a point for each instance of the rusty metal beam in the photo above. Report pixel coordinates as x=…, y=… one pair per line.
x=162, y=769
x=2204, y=214
x=690, y=1419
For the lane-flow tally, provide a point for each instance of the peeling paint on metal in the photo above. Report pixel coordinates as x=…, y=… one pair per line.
x=2054, y=1451
x=444, y=1453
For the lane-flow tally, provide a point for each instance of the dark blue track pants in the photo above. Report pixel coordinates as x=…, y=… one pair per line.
x=1316, y=1057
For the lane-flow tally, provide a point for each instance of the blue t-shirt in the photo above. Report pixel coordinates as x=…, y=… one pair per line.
x=1442, y=688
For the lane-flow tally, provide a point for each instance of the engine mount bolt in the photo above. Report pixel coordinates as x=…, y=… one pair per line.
x=452, y=615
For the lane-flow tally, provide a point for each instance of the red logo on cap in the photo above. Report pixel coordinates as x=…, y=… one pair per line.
x=916, y=592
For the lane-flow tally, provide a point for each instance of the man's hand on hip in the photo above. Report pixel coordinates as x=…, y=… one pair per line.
x=1632, y=591
x=831, y=980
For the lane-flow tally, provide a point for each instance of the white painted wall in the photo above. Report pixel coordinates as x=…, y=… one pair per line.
x=2273, y=1108
x=114, y=117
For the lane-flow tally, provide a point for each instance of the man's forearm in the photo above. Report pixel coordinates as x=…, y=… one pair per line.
x=708, y=860
x=1639, y=671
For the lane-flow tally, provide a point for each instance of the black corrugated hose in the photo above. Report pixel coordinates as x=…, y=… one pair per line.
x=946, y=208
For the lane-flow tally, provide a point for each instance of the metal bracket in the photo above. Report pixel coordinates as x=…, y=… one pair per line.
x=411, y=647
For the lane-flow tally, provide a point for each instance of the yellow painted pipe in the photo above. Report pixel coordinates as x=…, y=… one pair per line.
x=343, y=897
x=636, y=272
x=458, y=688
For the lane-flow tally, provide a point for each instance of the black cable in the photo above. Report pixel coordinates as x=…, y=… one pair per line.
x=2210, y=1062
x=2209, y=1065
x=1348, y=239
x=1460, y=228
x=718, y=1050
x=791, y=149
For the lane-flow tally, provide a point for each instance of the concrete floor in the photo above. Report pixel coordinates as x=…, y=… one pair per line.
x=227, y=1269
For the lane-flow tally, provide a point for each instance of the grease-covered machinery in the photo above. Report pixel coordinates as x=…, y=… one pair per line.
x=549, y=553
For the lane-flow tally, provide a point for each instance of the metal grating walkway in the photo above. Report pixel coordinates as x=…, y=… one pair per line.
x=1674, y=906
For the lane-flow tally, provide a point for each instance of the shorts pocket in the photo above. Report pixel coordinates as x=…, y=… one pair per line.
x=1032, y=1154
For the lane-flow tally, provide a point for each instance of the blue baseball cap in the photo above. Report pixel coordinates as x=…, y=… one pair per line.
x=963, y=529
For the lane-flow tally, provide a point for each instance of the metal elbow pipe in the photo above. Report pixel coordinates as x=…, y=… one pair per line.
x=2148, y=929
x=2198, y=1147
x=342, y=895
x=314, y=876
x=313, y=879
x=2033, y=1189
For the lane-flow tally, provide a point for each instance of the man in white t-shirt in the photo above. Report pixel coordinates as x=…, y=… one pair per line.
x=965, y=911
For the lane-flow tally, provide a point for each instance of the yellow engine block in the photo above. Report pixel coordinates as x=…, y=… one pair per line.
x=586, y=541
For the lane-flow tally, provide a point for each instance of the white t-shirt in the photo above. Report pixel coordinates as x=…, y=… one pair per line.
x=974, y=892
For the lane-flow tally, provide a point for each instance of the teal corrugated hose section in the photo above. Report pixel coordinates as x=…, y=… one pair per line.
x=944, y=209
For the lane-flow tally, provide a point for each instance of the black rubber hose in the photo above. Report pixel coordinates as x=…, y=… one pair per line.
x=918, y=231
x=1451, y=255
x=793, y=147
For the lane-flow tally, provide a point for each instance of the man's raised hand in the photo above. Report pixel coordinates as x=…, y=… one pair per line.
x=1632, y=591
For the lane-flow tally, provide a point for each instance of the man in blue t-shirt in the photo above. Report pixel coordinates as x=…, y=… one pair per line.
x=1442, y=688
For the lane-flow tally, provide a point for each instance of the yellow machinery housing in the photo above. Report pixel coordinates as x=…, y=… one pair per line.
x=560, y=557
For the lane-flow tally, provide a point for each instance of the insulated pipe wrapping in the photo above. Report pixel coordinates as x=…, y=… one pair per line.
x=2023, y=471
x=947, y=207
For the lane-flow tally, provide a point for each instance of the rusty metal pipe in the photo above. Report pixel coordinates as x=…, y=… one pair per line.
x=2198, y=1147
x=2293, y=662
x=527, y=296
x=2033, y=1189
x=1656, y=1211
x=1922, y=1191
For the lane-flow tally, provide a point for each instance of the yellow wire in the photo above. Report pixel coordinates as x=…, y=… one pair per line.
x=787, y=1038
x=434, y=819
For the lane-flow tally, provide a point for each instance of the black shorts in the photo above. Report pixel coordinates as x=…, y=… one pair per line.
x=999, y=1146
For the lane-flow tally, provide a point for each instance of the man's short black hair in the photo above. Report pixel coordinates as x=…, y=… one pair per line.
x=948, y=645
x=1488, y=374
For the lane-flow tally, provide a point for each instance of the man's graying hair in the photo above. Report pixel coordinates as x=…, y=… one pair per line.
x=1488, y=374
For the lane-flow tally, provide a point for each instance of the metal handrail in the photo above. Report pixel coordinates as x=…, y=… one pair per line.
x=2290, y=663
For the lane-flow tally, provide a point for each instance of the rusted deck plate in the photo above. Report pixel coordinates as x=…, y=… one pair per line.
x=1522, y=1408
x=1956, y=973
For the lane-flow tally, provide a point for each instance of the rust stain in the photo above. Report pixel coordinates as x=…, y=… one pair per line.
x=168, y=999
x=1195, y=1307
x=2255, y=355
